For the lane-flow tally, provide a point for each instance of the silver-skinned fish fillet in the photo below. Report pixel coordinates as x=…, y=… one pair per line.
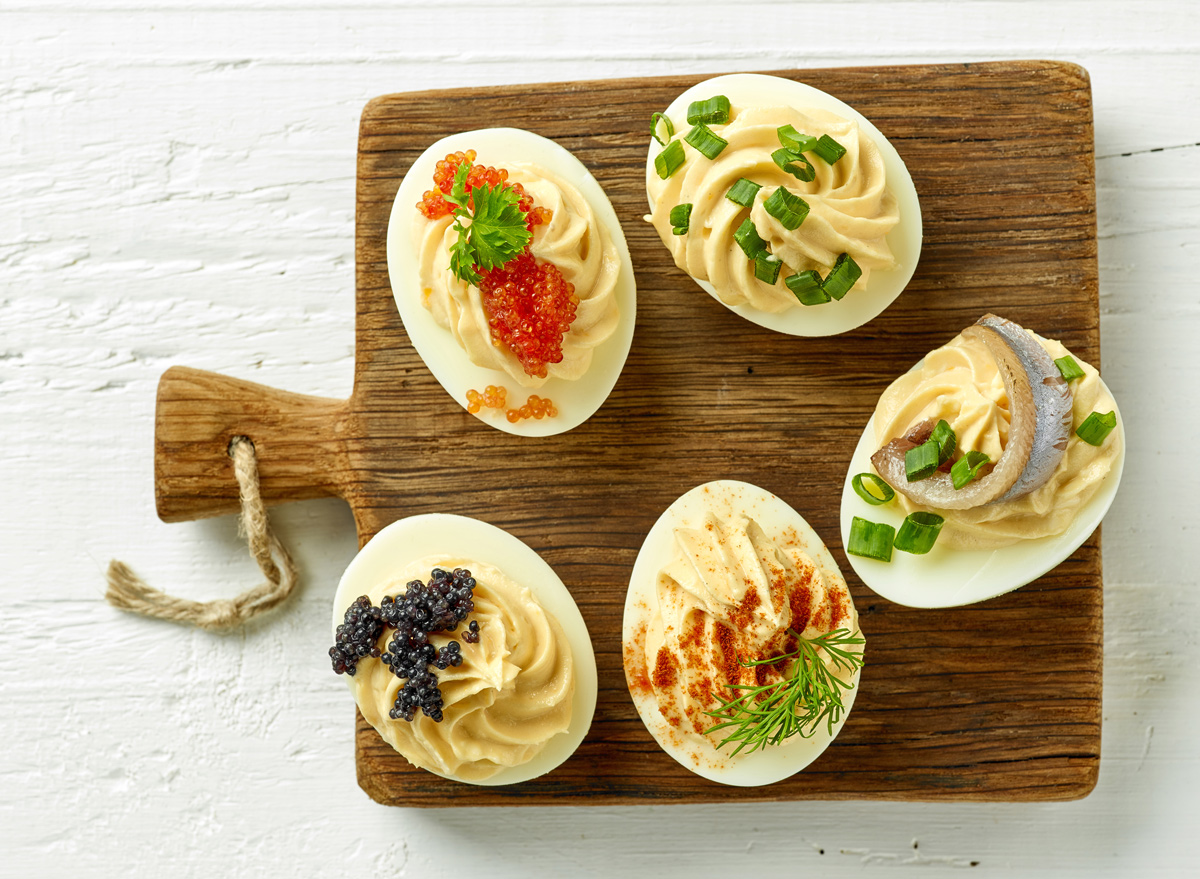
x=1041, y=416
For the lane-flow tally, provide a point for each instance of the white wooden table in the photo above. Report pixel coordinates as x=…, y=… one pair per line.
x=177, y=186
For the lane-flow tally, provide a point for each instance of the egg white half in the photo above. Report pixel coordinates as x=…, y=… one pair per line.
x=863, y=302
x=576, y=401
x=416, y=537
x=728, y=498
x=946, y=577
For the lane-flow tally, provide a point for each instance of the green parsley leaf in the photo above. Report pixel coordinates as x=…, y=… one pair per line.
x=462, y=258
x=497, y=232
x=458, y=191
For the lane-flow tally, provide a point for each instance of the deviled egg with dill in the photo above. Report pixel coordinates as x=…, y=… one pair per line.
x=985, y=466
x=783, y=203
x=740, y=640
x=512, y=277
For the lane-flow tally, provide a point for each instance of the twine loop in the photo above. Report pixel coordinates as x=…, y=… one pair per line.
x=128, y=591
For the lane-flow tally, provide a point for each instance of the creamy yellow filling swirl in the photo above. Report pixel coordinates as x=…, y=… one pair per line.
x=850, y=207
x=575, y=240
x=960, y=383
x=511, y=695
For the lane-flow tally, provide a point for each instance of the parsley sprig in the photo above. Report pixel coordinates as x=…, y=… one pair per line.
x=496, y=232
x=811, y=693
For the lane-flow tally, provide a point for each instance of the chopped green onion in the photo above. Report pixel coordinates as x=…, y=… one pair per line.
x=749, y=240
x=844, y=275
x=670, y=160
x=661, y=117
x=876, y=493
x=766, y=267
x=829, y=149
x=703, y=139
x=918, y=532
x=871, y=540
x=714, y=111
x=795, y=164
x=943, y=435
x=1069, y=368
x=790, y=210
x=966, y=468
x=921, y=462
x=807, y=287
x=793, y=140
x=743, y=192
x=681, y=215
x=1096, y=427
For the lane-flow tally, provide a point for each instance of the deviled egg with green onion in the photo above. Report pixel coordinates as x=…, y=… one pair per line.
x=983, y=467
x=783, y=203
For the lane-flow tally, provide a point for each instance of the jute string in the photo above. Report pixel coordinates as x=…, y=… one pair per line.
x=128, y=591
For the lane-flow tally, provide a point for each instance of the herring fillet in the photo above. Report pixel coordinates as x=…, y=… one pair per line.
x=1041, y=416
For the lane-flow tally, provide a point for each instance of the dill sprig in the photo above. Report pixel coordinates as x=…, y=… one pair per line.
x=811, y=693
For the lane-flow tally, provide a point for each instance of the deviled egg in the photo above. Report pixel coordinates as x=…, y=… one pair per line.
x=735, y=608
x=484, y=674
x=783, y=203
x=985, y=466
x=523, y=305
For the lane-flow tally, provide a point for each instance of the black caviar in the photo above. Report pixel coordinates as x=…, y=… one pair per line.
x=439, y=606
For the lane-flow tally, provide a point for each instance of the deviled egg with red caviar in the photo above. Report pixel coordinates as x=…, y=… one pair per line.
x=740, y=640
x=464, y=650
x=512, y=277
x=983, y=467
x=783, y=203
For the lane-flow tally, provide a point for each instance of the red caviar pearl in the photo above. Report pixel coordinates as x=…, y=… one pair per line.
x=530, y=307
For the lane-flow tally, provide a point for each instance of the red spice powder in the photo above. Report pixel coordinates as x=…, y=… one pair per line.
x=666, y=669
x=635, y=661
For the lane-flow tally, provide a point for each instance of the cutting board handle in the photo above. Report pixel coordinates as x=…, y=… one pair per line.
x=299, y=441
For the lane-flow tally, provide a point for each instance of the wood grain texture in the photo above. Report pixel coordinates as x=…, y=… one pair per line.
x=954, y=704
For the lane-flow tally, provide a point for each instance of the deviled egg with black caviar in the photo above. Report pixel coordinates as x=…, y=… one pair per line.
x=783, y=203
x=741, y=644
x=464, y=650
x=983, y=467
x=512, y=277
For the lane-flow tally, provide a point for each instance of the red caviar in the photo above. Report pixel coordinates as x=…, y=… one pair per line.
x=493, y=396
x=530, y=307
x=529, y=304
x=535, y=407
x=433, y=204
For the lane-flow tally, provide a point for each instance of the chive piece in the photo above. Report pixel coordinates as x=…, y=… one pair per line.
x=844, y=275
x=966, y=468
x=793, y=140
x=790, y=210
x=946, y=441
x=807, y=287
x=681, y=216
x=749, y=240
x=872, y=489
x=714, y=111
x=918, y=532
x=795, y=164
x=670, y=160
x=743, y=192
x=666, y=120
x=1096, y=427
x=829, y=149
x=872, y=540
x=1069, y=368
x=921, y=462
x=702, y=138
x=766, y=267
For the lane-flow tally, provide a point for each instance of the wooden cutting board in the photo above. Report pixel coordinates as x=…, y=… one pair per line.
x=999, y=701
